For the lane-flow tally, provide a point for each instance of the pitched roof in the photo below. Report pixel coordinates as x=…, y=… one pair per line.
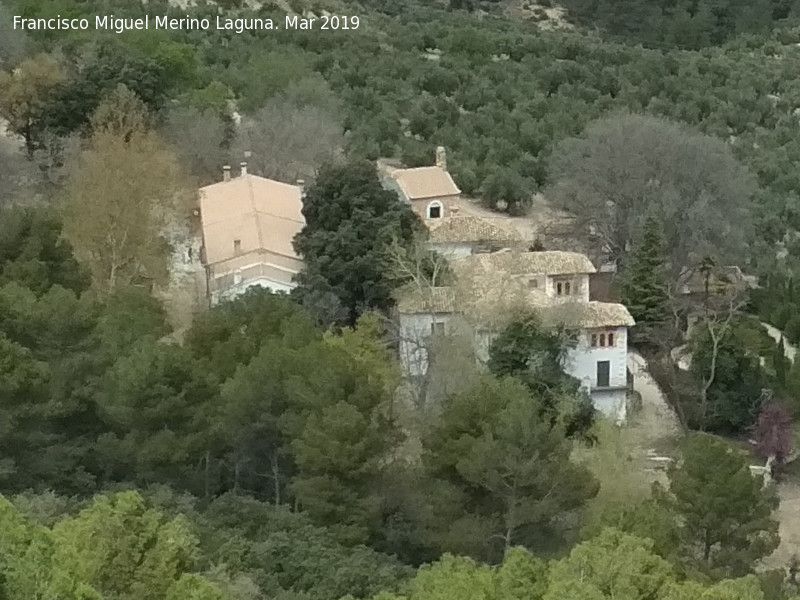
x=435, y=300
x=582, y=315
x=261, y=213
x=552, y=262
x=425, y=182
x=588, y=315
x=470, y=229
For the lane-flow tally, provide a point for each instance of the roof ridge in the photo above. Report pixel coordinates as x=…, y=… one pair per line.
x=259, y=231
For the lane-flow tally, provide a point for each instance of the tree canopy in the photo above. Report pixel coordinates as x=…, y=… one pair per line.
x=351, y=220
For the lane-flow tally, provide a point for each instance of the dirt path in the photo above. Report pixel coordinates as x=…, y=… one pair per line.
x=789, y=350
x=656, y=421
x=788, y=516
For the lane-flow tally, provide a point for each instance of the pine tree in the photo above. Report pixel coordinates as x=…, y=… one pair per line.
x=645, y=288
x=781, y=362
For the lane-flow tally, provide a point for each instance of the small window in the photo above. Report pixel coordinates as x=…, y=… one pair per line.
x=610, y=339
x=594, y=340
x=602, y=340
x=237, y=247
x=533, y=283
x=567, y=289
x=435, y=210
x=437, y=328
x=559, y=289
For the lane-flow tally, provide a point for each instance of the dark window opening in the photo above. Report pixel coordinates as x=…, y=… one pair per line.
x=603, y=373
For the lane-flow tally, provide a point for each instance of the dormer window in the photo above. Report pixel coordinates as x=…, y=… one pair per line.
x=435, y=210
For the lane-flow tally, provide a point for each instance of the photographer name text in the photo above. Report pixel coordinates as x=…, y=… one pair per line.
x=120, y=25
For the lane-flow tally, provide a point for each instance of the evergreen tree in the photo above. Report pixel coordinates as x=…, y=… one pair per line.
x=534, y=355
x=645, y=291
x=725, y=514
x=782, y=363
x=503, y=472
x=350, y=222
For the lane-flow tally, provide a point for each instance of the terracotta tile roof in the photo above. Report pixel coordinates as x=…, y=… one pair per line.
x=470, y=229
x=261, y=213
x=435, y=300
x=425, y=182
x=553, y=262
x=587, y=315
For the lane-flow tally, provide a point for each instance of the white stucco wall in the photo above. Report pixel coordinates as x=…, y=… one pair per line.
x=415, y=331
x=452, y=251
x=581, y=362
x=581, y=280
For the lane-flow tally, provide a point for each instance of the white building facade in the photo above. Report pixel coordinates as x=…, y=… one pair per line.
x=492, y=288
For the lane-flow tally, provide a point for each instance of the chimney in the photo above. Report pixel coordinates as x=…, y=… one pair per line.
x=441, y=158
x=243, y=166
x=226, y=173
x=301, y=183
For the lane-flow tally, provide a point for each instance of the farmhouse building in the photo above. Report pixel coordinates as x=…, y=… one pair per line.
x=431, y=191
x=248, y=224
x=491, y=289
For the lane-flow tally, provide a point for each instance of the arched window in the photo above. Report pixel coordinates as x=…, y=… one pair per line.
x=566, y=289
x=610, y=339
x=602, y=339
x=435, y=210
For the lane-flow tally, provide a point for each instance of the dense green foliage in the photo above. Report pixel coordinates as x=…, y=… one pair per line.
x=683, y=24
x=503, y=471
x=725, y=514
x=534, y=355
x=645, y=290
x=275, y=459
x=498, y=96
x=351, y=220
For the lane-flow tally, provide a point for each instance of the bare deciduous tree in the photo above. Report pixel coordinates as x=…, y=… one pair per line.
x=293, y=133
x=627, y=168
x=123, y=190
x=717, y=325
x=201, y=139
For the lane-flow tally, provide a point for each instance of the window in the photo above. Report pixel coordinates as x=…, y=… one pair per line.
x=437, y=328
x=603, y=373
x=533, y=283
x=565, y=288
x=435, y=210
x=601, y=340
x=237, y=247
